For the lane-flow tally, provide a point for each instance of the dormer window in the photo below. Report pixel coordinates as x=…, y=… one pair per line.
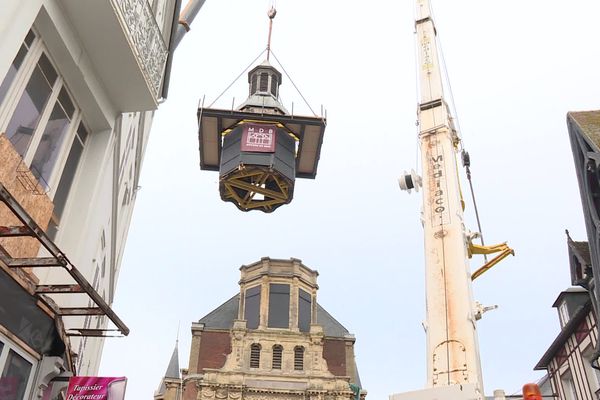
x=304, y=309
x=252, y=307
x=578, y=270
x=279, y=306
x=563, y=314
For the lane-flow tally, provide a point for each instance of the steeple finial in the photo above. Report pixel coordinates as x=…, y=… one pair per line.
x=271, y=13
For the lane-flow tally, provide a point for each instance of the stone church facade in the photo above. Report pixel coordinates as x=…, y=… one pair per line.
x=271, y=341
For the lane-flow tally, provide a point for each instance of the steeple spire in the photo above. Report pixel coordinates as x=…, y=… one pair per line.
x=171, y=373
x=271, y=13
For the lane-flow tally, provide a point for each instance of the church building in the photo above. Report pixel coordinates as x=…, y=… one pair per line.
x=272, y=340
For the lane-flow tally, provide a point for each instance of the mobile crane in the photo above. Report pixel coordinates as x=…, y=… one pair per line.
x=453, y=361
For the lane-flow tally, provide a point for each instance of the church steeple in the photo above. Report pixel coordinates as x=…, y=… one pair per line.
x=170, y=384
x=264, y=81
x=259, y=148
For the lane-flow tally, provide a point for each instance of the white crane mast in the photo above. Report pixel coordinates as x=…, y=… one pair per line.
x=452, y=346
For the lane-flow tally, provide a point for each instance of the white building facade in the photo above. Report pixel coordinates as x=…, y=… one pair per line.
x=79, y=83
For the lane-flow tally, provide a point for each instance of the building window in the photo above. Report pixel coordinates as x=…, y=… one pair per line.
x=274, y=85
x=16, y=65
x=66, y=179
x=277, y=356
x=304, y=310
x=563, y=313
x=568, y=386
x=255, y=355
x=16, y=371
x=53, y=137
x=252, y=307
x=264, y=82
x=253, y=84
x=298, y=358
x=41, y=121
x=593, y=375
x=279, y=305
x=28, y=112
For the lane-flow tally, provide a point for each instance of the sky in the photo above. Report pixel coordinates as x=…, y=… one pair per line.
x=516, y=68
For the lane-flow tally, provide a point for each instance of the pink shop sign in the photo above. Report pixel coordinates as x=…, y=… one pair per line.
x=96, y=388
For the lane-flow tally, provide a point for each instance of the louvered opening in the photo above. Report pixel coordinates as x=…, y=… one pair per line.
x=277, y=356
x=299, y=358
x=274, y=85
x=264, y=82
x=255, y=355
x=253, y=84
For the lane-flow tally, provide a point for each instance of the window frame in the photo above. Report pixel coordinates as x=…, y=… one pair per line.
x=255, y=350
x=305, y=300
x=277, y=357
x=276, y=298
x=299, y=357
x=13, y=95
x=10, y=345
x=563, y=313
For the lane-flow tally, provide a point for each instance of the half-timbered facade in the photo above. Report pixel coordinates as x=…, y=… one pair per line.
x=569, y=359
x=584, y=134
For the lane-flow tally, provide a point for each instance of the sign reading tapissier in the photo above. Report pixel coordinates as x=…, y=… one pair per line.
x=96, y=388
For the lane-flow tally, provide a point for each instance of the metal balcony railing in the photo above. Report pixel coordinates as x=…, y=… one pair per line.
x=146, y=39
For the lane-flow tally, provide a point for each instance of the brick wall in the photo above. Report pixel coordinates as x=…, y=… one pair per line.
x=334, y=352
x=190, y=391
x=214, y=348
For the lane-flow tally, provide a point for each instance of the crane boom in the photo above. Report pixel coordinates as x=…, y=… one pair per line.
x=452, y=346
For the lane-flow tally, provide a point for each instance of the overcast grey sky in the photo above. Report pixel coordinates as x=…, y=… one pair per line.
x=516, y=68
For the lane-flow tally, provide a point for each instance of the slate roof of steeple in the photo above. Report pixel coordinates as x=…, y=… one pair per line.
x=172, y=370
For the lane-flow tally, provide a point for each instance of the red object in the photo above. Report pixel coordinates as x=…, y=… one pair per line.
x=96, y=387
x=259, y=138
x=531, y=391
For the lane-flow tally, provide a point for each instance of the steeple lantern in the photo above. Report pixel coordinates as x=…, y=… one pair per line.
x=264, y=80
x=259, y=148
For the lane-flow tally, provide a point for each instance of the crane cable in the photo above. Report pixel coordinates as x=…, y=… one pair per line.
x=466, y=159
x=238, y=77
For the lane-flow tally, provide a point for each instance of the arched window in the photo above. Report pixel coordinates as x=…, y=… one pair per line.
x=255, y=355
x=298, y=358
x=277, y=355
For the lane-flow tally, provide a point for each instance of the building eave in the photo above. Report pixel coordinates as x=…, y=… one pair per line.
x=562, y=337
